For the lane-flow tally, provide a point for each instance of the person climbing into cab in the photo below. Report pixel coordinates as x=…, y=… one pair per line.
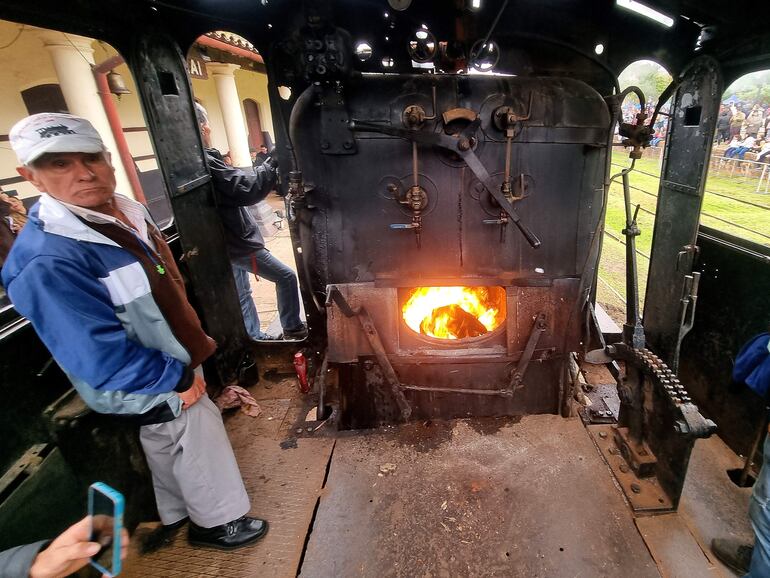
x=236, y=190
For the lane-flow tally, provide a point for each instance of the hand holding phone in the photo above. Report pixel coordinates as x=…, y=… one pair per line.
x=67, y=553
x=105, y=509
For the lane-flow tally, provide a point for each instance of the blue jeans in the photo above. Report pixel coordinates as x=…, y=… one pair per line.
x=759, y=512
x=736, y=152
x=264, y=265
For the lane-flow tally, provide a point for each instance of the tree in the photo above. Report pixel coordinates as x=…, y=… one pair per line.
x=751, y=88
x=649, y=76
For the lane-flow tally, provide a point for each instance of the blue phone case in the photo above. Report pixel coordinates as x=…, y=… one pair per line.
x=119, y=504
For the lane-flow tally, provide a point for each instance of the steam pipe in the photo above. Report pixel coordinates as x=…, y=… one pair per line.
x=100, y=75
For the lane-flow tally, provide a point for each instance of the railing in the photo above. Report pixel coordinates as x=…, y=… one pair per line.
x=737, y=180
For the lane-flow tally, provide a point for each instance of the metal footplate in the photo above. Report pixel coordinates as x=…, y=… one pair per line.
x=649, y=449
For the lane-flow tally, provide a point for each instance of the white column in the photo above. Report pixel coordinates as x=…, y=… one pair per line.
x=72, y=58
x=230, y=104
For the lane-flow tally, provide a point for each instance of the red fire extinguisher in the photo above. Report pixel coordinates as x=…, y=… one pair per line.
x=300, y=365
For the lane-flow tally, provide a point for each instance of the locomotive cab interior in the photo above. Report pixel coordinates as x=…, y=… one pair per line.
x=445, y=171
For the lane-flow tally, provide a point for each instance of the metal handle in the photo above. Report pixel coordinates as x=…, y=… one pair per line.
x=528, y=235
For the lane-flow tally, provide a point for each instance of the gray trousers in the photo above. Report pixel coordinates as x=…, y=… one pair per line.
x=194, y=472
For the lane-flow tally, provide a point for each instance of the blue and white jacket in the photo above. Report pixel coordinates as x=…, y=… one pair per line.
x=90, y=302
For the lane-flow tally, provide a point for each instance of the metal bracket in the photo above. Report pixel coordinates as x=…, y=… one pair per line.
x=336, y=137
x=681, y=188
x=539, y=327
x=193, y=184
x=690, y=251
x=637, y=455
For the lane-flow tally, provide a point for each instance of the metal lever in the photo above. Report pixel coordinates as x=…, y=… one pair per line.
x=517, y=376
x=461, y=145
x=333, y=295
x=688, y=302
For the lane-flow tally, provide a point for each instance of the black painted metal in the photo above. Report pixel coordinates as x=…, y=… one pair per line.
x=539, y=37
x=679, y=202
x=166, y=96
x=351, y=203
x=733, y=305
x=568, y=129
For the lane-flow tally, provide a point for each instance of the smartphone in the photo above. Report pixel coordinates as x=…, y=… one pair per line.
x=105, y=506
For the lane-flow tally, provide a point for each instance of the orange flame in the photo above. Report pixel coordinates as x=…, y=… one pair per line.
x=454, y=312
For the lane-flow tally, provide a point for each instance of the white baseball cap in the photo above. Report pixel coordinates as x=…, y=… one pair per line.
x=50, y=132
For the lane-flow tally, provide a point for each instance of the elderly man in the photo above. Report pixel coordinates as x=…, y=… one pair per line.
x=99, y=284
x=235, y=191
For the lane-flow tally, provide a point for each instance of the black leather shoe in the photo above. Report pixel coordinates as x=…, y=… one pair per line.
x=733, y=553
x=297, y=334
x=240, y=532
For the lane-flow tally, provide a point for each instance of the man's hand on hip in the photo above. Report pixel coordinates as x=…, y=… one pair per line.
x=197, y=389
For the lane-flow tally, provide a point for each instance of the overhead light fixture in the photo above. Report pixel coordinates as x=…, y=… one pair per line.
x=475, y=4
x=599, y=48
x=646, y=11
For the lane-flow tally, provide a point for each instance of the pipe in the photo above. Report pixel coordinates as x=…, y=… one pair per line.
x=100, y=74
x=225, y=47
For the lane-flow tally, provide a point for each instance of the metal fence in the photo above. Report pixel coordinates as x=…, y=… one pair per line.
x=748, y=176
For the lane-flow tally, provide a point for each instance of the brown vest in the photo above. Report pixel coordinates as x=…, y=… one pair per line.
x=167, y=287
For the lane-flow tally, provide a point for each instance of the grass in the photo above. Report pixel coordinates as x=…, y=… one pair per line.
x=727, y=214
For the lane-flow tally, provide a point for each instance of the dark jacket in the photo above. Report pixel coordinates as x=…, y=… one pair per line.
x=16, y=562
x=723, y=121
x=236, y=190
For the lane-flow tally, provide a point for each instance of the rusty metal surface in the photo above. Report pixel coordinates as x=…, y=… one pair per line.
x=283, y=485
x=712, y=505
x=644, y=494
x=674, y=548
x=483, y=497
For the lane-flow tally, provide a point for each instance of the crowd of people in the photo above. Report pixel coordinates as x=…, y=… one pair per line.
x=745, y=128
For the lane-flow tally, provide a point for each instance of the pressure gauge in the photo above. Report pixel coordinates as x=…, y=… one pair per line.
x=399, y=5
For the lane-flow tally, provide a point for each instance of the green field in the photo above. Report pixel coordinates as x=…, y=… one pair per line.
x=726, y=214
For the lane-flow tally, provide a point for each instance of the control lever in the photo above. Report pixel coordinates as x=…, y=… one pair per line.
x=687, y=305
x=462, y=145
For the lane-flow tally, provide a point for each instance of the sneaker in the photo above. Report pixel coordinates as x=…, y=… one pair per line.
x=296, y=334
x=733, y=553
x=235, y=534
x=268, y=337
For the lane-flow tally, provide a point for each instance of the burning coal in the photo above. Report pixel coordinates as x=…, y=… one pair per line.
x=454, y=312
